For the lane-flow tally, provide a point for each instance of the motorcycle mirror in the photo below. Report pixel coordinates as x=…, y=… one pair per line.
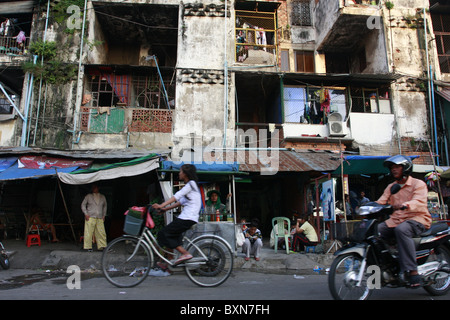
x=395, y=188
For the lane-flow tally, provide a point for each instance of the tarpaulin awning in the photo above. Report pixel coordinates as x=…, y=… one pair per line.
x=202, y=167
x=16, y=173
x=45, y=162
x=113, y=171
x=446, y=174
x=359, y=164
x=7, y=162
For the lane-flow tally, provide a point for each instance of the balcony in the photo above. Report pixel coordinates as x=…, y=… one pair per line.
x=343, y=24
x=12, y=50
x=118, y=120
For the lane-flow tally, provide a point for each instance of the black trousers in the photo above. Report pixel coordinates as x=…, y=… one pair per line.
x=300, y=241
x=171, y=236
x=404, y=234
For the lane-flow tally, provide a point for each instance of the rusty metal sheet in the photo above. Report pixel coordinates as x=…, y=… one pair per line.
x=282, y=161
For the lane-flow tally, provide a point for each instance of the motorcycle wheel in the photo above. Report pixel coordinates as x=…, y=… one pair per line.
x=342, y=278
x=441, y=285
x=4, y=261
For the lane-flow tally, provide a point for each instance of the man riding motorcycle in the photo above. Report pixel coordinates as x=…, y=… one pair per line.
x=410, y=217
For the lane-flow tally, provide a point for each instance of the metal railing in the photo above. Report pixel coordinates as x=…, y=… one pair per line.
x=10, y=46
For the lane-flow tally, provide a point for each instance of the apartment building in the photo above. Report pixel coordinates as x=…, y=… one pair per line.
x=366, y=77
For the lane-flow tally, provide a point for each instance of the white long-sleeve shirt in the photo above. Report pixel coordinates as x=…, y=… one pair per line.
x=189, y=197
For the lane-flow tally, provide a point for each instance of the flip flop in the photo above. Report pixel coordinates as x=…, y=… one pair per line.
x=183, y=258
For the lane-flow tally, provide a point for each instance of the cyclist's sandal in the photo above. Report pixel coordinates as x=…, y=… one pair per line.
x=184, y=257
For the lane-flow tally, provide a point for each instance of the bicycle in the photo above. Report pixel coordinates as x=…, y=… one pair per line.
x=127, y=260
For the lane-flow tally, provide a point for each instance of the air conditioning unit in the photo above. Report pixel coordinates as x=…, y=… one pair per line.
x=245, y=140
x=335, y=125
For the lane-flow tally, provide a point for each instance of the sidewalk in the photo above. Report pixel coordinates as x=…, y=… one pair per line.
x=50, y=256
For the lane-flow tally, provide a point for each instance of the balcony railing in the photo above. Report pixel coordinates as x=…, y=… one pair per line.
x=350, y=3
x=117, y=120
x=10, y=46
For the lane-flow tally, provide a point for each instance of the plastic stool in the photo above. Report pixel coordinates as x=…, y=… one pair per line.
x=312, y=248
x=33, y=239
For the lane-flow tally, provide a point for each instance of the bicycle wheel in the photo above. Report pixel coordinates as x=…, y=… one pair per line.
x=218, y=265
x=125, y=266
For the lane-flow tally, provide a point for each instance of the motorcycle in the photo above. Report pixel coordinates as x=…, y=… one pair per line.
x=4, y=258
x=368, y=262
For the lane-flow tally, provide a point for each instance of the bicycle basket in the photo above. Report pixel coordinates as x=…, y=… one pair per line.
x=133, y=221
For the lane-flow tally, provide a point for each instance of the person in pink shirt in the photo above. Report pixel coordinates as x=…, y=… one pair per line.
x=410, y=217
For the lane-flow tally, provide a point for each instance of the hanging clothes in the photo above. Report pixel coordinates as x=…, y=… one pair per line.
x=120, y=84
x=21, y=37
x=325, y=101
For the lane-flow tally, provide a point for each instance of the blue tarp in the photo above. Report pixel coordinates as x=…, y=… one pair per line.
x=15, y=173
x=7, y=162
x=202, y=167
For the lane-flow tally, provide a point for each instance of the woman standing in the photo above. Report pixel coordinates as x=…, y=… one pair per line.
x=189, y=196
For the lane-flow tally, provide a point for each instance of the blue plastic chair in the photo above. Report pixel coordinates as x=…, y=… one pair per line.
x=278, y=224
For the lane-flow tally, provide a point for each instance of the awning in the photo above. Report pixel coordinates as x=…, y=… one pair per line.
x=113, y=171
x=203, y=167
x=267, y=161
x=16, y=173
x=286, y=161
x=359, y=164
x=446, y=174
x=7, y=162
x=444, y=93
x=17, y=7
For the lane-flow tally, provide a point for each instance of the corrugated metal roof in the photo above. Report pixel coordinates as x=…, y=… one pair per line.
x=83, y=154
x=444, y=93
x=280, y=161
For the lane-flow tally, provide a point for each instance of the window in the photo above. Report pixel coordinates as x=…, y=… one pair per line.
x=136, y=91
x=301, y=13
x=143, y=96
x=374, y=100
x=108, y=90
x=256, y=37
x=148, y=92
x=304, y=61
x=312, y=105
x=285, y=66
x=5, y=105
x=441, y=25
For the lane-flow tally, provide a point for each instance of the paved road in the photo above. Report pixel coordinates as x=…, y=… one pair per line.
x=241, y=286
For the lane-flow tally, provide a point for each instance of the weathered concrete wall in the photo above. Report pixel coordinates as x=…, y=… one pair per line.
x=7, y=130
x=136, y=140
x=325, y=15
x=200, y=93
x=407, y=56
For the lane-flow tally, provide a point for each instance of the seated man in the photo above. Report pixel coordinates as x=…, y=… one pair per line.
x=253, y=242
x=305, y=235
x=37, y=224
